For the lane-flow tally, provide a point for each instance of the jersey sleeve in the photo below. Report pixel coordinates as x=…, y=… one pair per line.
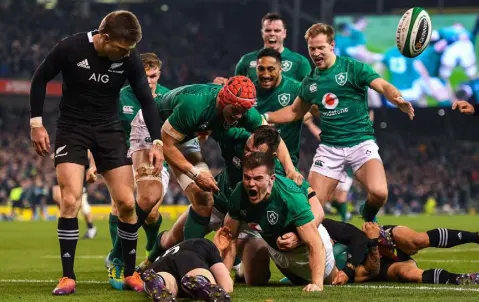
x=240, y=67
x=138, y=82
x=251, y=120
x=234, y=203
x=304, y=69
x=307, y=91
x=364, y=74
x=298, y=206
x=53, y=63
x=185, y=117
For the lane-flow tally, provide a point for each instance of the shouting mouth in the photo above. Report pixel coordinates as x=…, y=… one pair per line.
x=253, y=194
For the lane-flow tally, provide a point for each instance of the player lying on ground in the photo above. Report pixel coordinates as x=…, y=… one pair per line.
x=236, y=143
x=338, y=87
x=273, y=206
x=191, y=269
x=94, y=67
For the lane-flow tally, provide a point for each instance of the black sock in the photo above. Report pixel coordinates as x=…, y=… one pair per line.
x=68, y=236
x=141, y=215
x=89, y=225
x=439, y=276
x=448, y=238
x=128, y=234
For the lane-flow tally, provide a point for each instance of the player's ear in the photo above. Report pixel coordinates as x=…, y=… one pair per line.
x=333, y=44
x=273, y=177
x=105, y=38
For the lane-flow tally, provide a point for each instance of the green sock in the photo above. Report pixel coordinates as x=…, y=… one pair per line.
x=151, y=231
x=157, y=250
x=369, y=212
x=116, y=251
x=112, y=224
x=196, y=226
x=343, y=211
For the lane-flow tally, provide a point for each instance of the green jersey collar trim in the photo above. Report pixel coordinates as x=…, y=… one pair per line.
x=330, y=69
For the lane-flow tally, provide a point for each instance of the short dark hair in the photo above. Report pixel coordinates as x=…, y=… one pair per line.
x=258, y=159
x=269, y=135
x=269, y=52
x=121, y=25
x=273, y=17
x=150, y=60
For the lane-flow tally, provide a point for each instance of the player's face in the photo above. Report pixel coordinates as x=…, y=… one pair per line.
x=321, y=51
x=268, y=70
x=250, y=147
x=257, y=183
x=232, y=114
x=116, y=50
x=273, y=33
x=153, y=75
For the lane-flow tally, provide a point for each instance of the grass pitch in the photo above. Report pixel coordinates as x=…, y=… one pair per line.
x=30, y=267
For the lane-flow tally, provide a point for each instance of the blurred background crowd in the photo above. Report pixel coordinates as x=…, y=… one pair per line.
x=435, y=168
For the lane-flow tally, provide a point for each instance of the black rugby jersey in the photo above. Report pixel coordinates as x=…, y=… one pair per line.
x=91, y=83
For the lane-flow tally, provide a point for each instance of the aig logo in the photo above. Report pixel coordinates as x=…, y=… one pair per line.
x=104, y=78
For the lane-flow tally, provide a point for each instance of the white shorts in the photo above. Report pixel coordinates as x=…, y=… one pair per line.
x=346, y=184
x=297, y=261
x=330, y=161
x=458, y=53
x=140, y=138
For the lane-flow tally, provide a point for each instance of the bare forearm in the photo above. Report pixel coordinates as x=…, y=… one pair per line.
x=284, y=158
x=391, y=93
x=285, y=115
x=315, y=131
x=175, y=158
x=229, y=256
x=91, y=160
x=317, y=262
x=317, y=209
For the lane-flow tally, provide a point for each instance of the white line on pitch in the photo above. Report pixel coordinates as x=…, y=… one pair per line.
x=47, y=281
x=454, y=250
x=76, y=256
x=422, y=287
x=450, y=261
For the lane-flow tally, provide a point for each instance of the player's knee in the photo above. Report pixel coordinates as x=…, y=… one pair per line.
x=70, y=204
x=125, y=209
x=259, y=278
x=420, y=241
x=379, y=195
x=203, y=199
x=410, y=274
x=146, y=201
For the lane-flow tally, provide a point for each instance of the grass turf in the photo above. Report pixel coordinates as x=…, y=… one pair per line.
x=30, y=267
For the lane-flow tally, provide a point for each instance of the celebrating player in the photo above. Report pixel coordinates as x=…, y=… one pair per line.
x=338, y=87
x=151, y=188
x=273, y=206
x=95, y=66
x=191, y=269
x=273, y=31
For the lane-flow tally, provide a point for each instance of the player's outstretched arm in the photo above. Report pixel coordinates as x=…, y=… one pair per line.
x=288, y=114
x=222, y=276
x=285, y=160
x=309, y=234
x=225, y=240
x=393, y=95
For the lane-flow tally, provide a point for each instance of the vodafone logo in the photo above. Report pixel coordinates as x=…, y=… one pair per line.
x=330, y=101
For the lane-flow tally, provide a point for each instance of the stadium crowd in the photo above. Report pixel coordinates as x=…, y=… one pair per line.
x=421, y=171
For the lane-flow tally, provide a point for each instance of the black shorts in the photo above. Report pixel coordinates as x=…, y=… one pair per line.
x=106, y=142
x=178, y=266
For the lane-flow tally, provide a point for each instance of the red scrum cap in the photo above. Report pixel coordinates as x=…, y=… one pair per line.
x=239, y=91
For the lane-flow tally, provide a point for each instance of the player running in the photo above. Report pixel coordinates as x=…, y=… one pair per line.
x=191, y=269
x=150, y=188
x=273, y=206
x=273, y=31
x=338, y=87
x=94, y=66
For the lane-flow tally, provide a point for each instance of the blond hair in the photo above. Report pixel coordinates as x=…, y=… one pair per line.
x=320, y=28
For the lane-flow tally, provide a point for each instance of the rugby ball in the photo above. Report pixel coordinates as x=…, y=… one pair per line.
x=413, y=33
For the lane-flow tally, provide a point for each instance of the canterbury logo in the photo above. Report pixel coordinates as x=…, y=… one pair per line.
x=84, y=64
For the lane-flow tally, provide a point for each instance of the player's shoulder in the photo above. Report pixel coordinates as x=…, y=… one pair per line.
x=287, y=185
x=126, y=90
x=349, y=61
x=76, y=42
x=250, y=56
x=291, y=82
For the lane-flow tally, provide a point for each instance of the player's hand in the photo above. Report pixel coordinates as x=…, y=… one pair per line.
x=296, y=177
x=405, y=107
x=40, y=140
x=156, y=158
x=223, y=239
x=91, y=174
x=220, y=80
x=313, y=288
x=341, y=278
x=463, y=107
x=371, y=230
x=206, y=181
x=288, y=241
